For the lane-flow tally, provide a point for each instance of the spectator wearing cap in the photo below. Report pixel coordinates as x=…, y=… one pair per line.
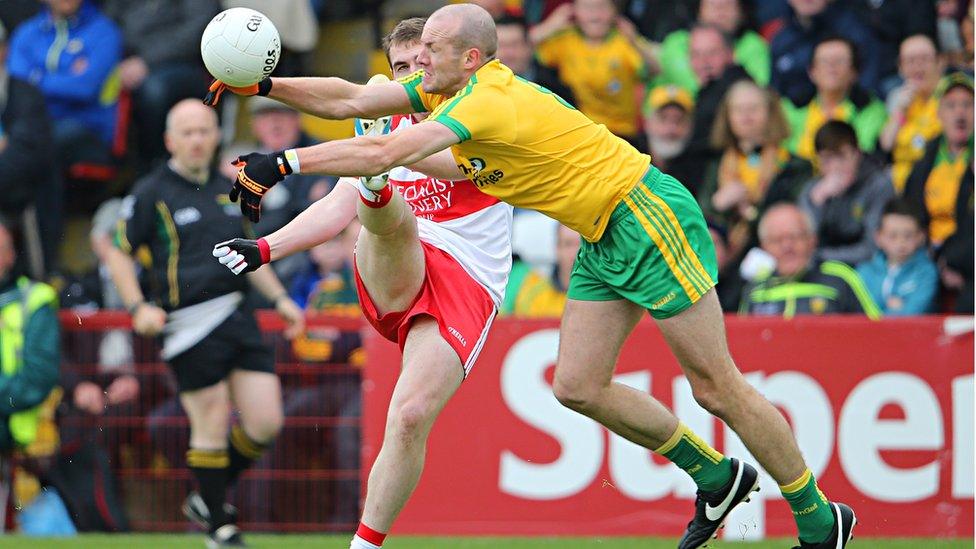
x=70, y=51
x=834, y=70
x=712, y=61
x=162, y=62
x=515, y=51
x=800, y=283
x=941, y=183
x=754, y=169
x=913, y=109
x=602, y=58
x=276, y=126
x=847, y=201
x=807, y=24
x=750, y=50
x=667, y=125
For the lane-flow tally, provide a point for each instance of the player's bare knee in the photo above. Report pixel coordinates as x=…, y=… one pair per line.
x=710, y=396
x=265, y=427
x=575, y=395
x=410, y=421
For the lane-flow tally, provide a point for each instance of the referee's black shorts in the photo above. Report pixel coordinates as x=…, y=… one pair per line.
x=234, y=344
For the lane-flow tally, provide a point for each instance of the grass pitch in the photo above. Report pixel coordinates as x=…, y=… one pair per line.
x=257, y=541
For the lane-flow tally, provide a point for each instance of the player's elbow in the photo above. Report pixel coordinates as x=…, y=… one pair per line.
x=382, y=158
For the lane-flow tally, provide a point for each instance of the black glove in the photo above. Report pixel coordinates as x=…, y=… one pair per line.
x=241, y=255
x=255, y=175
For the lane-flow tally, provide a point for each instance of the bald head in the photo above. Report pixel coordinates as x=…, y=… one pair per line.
x=192, y=134
x=189, y=109
x=470, y=26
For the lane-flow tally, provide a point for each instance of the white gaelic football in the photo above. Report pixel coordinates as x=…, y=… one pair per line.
x=240, y=47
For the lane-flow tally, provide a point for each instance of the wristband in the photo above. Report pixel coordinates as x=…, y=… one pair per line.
x=291, y=155
x=264, y=87
x=135, y=307
x=265, y=250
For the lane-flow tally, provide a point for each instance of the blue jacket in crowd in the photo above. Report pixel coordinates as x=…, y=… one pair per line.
x=914, y=283
x=73, y=63
x=791, y=51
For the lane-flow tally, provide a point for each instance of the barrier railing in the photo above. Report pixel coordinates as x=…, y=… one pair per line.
x=308, y=481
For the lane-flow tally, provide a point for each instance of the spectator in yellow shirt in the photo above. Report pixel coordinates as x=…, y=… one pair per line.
x=834, y=71
x=602, y=59
x=530, y=294
x=941, y=183
x=913, y=109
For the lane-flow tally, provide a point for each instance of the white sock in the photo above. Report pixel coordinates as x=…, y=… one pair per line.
x=360, y=543
x=368, y=194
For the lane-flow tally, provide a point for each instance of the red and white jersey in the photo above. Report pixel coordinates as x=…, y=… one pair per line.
x=472, y=227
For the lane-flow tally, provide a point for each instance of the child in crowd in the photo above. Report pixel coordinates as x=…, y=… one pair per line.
x=901, y=277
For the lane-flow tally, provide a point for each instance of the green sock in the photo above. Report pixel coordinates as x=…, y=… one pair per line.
x=810, y=508
x=707, y=466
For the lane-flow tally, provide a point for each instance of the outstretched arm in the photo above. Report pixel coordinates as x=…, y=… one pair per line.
x=338, y=99
x=366, y=155
x=320, y=222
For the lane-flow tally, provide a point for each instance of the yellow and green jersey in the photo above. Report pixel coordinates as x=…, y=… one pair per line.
x=921, y=125
x=868, y=121
x=525, y=146
x=604, y=77
x=942, y=191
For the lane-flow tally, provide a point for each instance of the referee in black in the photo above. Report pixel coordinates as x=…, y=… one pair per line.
x=212, y=344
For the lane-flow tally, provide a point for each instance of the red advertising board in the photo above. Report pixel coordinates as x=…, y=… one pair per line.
x=883, y=412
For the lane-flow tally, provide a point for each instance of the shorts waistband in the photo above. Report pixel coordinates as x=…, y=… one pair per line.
x=649, y=180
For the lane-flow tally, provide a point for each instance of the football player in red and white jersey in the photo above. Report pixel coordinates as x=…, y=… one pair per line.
x=432, y=262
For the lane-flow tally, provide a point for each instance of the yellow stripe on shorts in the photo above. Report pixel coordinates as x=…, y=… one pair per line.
x=666, y=229
x=665, y=250
x=689, y=253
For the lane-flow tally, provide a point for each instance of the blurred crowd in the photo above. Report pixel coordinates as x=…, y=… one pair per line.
x=859, y=113
x=829, y=144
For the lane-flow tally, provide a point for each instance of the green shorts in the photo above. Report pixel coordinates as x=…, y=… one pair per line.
x=656, y=251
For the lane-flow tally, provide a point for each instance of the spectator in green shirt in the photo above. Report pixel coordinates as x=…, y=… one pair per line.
x=834, y=71
x=751, y=51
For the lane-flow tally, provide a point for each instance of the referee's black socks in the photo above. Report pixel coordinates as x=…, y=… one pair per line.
x=210, y=469
x=242, y=451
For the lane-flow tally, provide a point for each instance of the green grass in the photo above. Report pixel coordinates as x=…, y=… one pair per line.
x=140, y=541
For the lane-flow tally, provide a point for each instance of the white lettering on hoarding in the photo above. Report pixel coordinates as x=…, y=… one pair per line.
x=860, y=439
x=529, y=396
x=863, y=436
x=962, y=437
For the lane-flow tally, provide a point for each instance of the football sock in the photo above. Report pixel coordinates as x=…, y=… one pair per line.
x=242, y=451
x=810, y=508
x=367, y=538
x=209, y=468
x=707, y=466
x=375, y=199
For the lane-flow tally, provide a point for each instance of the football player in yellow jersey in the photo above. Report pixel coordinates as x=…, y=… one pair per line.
x=646, y=248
